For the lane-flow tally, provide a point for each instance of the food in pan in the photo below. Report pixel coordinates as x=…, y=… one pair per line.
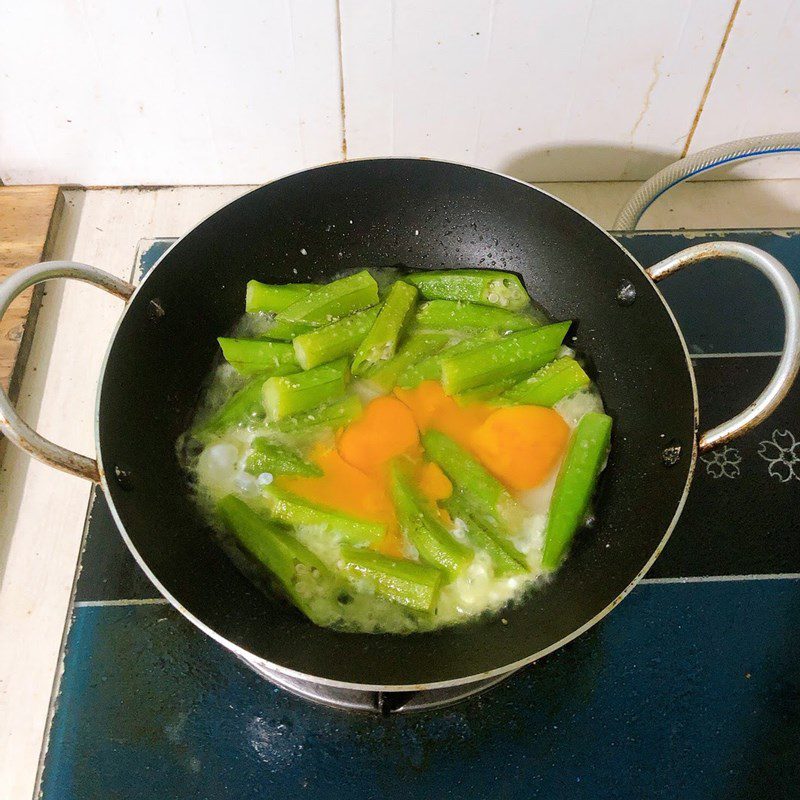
x=397, y=452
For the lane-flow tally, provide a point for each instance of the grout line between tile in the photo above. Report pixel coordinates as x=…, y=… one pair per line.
x=142, y=601
x=711, y=76
x=342, y=103
x=777, y=576
x=755, y=354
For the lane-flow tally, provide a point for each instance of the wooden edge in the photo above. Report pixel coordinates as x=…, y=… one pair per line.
x=29, y=329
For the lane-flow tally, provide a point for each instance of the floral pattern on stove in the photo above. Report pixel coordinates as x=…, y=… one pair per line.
x=723, y=463
x=782, y=452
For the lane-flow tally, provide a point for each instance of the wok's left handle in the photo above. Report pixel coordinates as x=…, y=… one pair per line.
x=789, y=295
x=11, y=424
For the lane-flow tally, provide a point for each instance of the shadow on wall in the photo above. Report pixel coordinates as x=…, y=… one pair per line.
x=677, y=209
x=573, y=161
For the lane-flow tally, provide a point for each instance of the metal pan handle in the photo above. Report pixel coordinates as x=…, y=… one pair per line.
x=11, y=424
x=789, y=295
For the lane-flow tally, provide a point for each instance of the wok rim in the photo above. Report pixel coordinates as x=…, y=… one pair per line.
x=246, y=655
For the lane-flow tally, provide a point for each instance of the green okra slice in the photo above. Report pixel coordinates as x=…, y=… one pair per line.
x=333, y=341
x=308, y=583
x=380, y=344
x=434, y=543
x=293, y=394
x=244, y=405
x=487, y=391
x=430, y=368
x=548, y=385
x=507, y=560
x=332, y=301
x=267, y=456
x=515, y=354
x=485, y=492
x=457, y=314
x=294, y=510
x=253, y=356
x=333, y=415
x=287, y=330
x=405, y=582
x=484, y=286
x=416, y=347
x=272, y=298
x=575, y=484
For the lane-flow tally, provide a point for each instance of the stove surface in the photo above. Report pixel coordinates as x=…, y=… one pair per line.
x=691, y=688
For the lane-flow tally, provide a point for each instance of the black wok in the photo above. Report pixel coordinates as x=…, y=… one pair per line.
x=424, y=215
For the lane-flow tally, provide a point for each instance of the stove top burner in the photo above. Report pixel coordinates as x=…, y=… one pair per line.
x=383, y=703
x=148, y=706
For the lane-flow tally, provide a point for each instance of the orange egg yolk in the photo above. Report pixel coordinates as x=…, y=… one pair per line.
x=385, y=430
x=519, y=445
x=432, y=408
x=348, y=489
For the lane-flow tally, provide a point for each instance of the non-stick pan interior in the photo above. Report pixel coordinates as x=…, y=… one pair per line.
x=424, y=215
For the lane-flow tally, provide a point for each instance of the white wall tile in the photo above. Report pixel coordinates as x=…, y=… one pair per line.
x=152, y=92
x=574, y=90
x=757, y=86
x=198, y=92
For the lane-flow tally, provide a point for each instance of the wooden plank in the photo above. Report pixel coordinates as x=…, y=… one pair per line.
x=28, y=215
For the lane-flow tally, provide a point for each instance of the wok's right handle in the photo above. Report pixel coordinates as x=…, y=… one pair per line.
x=789, y=363
x=11, y=424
